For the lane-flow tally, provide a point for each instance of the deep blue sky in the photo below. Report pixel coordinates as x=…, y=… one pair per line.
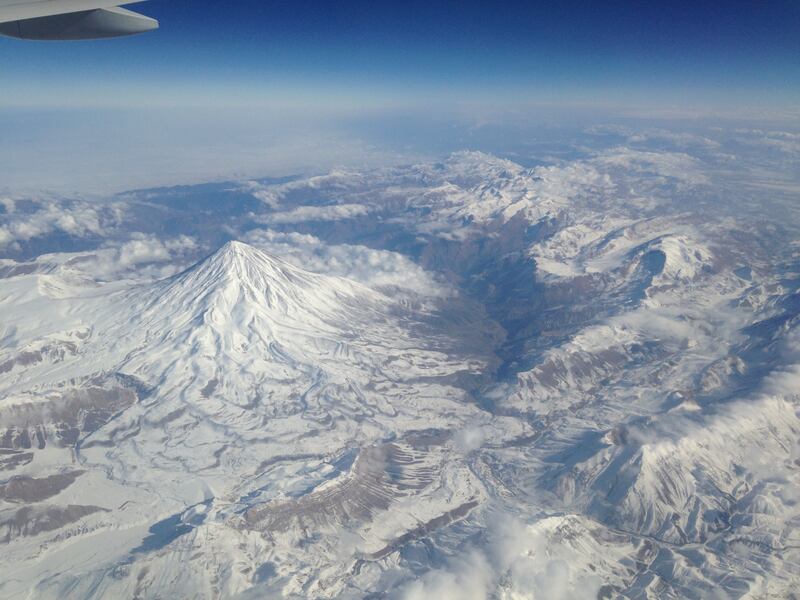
x=725, y=53
x=259, y=88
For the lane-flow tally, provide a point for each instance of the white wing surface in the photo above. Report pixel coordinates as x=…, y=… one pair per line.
x=70, y=19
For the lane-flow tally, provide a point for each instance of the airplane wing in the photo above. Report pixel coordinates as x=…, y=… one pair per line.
x=70, y=19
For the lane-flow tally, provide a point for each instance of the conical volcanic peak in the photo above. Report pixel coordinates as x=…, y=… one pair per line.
x=239, y=279
x=239, y=261
x=235, y=253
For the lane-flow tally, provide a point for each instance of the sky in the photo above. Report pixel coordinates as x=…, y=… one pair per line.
x=262, y=87
x=321, y=53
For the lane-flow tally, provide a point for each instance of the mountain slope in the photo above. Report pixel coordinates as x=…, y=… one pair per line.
x=241, y=381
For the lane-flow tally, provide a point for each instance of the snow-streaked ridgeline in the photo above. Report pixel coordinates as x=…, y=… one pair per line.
x=458, y=379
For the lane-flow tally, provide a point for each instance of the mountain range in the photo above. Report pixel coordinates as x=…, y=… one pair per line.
x=458, y=379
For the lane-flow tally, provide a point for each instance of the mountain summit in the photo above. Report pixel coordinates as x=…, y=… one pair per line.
x=244, y=284
x=243, y=350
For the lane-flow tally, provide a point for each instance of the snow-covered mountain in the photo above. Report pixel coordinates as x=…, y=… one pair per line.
x=462, y=379
x=241, y=382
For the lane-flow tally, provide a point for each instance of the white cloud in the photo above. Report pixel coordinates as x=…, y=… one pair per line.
x=609, y=129
x=76, y=218
x=551, y=559
x=266, y=194
x=783, y=141
x=470, y=438
x=8, y=204
x=375, y=268
x=6, y=237
x=142, y=256
x=468, y=579
x=785, y=379
x=144, y=248
x=676, y=138
x=674, y=165
x=335, y=212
